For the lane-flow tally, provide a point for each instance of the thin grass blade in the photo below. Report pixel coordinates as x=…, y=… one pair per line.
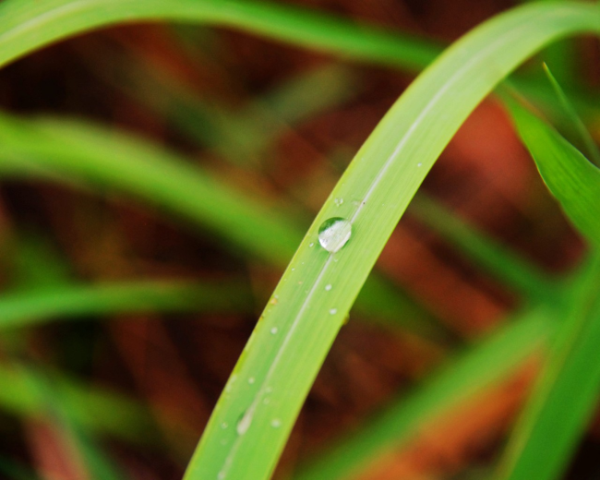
x=25, y=307
x=570, y=177
x=256, y=412
x=567, y=392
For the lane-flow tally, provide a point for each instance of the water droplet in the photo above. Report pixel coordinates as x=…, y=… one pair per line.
x=338, y=201
x=419, y=164
x=334, y=233
x=276, y=423
x=224, y=425
x=328, y=287
x=333, y=311
x=244, y=423
x=311, y=244
x=251, y=380
x=273, y=330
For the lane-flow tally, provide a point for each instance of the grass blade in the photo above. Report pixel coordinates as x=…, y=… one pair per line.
x=261, y=401
x=27, y=26
x=570, y=177
x=246, y=225
x=495, y=359
x=572, y=116
x=26, y=308
x=566, y=394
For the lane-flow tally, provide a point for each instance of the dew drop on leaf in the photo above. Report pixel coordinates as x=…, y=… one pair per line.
x=334, y=233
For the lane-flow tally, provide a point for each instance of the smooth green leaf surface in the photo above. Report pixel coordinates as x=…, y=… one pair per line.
x=572, y=178
x=267, y=388
x=567, y=392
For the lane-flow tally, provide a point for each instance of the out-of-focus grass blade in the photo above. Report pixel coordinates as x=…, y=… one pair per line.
x=566, y=394
x=36, y=306
x=90, y=406
x=514, y=271
x=27, y=26
x=574, y=119
x=95, y=462
x=572, y=178
x=108, y=158
x=260, y=403
x=51, y=148
x=483, y=365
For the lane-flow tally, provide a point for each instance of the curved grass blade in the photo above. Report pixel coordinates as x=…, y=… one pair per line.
x=572, y=116
x=91, y=407
x=564, y=399
x=24, y=308
x=256, y=412
x=488, y=363
x=27, y=26
x=58, y=149
x=570, y=177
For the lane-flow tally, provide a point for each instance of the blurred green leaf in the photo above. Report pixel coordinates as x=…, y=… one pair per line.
x=564, y=399
x=572, y=179
x=71, y=301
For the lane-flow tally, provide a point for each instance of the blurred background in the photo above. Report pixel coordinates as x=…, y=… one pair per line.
x=128, y=389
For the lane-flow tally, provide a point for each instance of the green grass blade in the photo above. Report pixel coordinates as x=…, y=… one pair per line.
x=91, y=407
x=572, y=116
x=486, y=364
x=27, y=307
x=267, y=388
x=566, y=394
x=79, y=151
x=572, y=179
x=27, y=26
x=247, y=225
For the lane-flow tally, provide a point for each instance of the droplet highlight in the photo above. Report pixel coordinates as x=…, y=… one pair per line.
x=328, y=287
x=333, y=311
x=244, y=423
x=251, y=380
x=334, y=233
x=338, y=201
x=276, y=423
x=274, y=331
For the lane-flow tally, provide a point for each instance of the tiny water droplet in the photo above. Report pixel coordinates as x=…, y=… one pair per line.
x=334, y=233
x=328, y=287
x=244, y=423
x=338, y=201
x=276, y=423
x=251, y=380
x=273, y=330
x=333, y=311
x=224, y=425
x=311, y=244
x=419, y=164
